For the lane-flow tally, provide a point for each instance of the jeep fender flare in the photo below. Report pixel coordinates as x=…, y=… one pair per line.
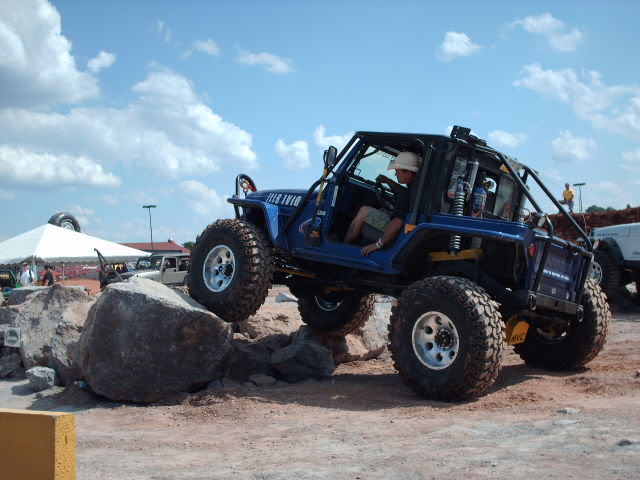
x=268, y=214
x=611, y=247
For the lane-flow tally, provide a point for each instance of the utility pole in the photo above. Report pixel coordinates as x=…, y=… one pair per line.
x=580, y=185
x=149, y=207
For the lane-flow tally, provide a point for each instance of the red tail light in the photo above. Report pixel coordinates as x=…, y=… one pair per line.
x=532, y=250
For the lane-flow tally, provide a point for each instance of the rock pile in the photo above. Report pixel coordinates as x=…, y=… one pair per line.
x=141, y=341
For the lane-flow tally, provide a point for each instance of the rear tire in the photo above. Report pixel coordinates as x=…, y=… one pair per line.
x=446, y=338
x=231, y=269
x=335, y=314
x=65, y=220
x=579, y=344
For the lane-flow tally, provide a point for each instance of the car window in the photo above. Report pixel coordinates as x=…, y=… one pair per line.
x=169, y=263
x=374, y=162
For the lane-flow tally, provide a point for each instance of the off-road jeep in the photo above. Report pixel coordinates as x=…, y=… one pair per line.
x=616, y=257
x=170, y=268
x=464, y=282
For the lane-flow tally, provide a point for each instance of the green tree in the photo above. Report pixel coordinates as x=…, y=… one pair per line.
x=189, y=245
x=596, y=209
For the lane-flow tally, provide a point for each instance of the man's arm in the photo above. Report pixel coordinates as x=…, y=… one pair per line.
x=394, y=186
x=390, y=232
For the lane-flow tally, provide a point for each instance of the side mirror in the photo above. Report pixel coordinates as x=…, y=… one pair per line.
x=329, y=157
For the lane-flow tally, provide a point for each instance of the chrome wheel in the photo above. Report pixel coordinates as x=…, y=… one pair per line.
x=595, y=272
x=435, y=340
x=68, y=224
x=219, y=268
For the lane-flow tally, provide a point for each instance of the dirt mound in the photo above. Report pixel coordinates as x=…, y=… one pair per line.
x=564, y=229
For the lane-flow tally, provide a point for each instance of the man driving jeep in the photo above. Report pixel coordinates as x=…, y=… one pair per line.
x=384, y=224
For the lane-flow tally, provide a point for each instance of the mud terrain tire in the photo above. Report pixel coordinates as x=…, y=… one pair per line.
x=576, y=347
x=335, y=314
x=610, y=273
x=65, y=220
x=446, y=338
x=231, y=269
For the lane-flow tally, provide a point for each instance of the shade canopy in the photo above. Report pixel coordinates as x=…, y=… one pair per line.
x=51, y=244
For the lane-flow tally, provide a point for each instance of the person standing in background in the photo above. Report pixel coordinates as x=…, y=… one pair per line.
x=568, y=196
x=47, y=279
x=26, y=276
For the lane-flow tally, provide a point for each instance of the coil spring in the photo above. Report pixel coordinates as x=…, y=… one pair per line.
x=457, y=209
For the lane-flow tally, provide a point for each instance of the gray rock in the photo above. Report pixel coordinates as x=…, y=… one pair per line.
x=303, y=360
x=10, y=370
x=367, y=343
x=7, y=315
x=13, y=358
x=569, y=411
x=285, y=297
x=248, y=359
x=64, y=355
x=262, y=380
x=214, y=385
x=143, y=342
x=19, y=295
x=40, y=314
x=281, y=318
x=41, y=378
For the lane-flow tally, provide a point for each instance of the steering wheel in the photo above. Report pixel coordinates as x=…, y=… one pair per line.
x=381, y=196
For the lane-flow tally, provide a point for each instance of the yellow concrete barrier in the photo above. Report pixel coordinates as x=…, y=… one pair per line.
x=37, y=445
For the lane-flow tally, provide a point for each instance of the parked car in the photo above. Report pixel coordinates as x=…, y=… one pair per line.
x=168, y=268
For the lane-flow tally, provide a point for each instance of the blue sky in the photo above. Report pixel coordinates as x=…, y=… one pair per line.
x=107, y=106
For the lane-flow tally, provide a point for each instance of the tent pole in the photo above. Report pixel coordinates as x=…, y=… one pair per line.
x=62, y=273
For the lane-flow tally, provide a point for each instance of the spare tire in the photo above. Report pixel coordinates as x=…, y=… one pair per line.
x=65, y=220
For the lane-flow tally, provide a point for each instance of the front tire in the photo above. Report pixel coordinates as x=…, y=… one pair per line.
x=446, y=338
x=231, y=269
x=335, y=314
x=579, y=344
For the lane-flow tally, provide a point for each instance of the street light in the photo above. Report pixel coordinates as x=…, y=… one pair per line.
x=580, y=185
x=149, y=207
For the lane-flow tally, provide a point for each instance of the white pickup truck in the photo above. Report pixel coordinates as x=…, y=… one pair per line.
x=616, y=260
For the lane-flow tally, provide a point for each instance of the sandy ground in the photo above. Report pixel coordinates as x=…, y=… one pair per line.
x=364, y=424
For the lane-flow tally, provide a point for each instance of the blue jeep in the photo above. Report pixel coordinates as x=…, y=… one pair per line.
x=466, y=280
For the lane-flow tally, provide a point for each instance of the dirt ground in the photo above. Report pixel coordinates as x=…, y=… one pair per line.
x=364, y=424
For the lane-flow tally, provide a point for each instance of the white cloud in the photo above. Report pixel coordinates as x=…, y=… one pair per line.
x=207, y=46
x=167, y=131
x=200, y=198
x=631, y=161
x=557, y=33
x=295, y=155
x=456, y=45
x=7, y=194
x=506, y=139
x=273, y=63
x=101, y=61
x=24, y=167
x=612, y=107
x=324, y=141
x=164, y=31
x=568, y=147
x=36, y=65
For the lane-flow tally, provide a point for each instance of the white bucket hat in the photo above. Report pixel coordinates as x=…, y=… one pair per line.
x=405, y=161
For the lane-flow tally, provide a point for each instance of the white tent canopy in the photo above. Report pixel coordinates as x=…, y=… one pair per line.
x=51, y=244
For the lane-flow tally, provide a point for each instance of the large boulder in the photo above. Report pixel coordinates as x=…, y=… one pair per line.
x=39, y=316
x=144, y=341
x=248, y=359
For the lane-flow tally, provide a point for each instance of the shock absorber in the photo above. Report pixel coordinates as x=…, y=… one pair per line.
x=457, y=209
